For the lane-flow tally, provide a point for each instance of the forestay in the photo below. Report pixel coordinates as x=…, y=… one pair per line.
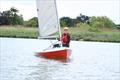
x=47, y=17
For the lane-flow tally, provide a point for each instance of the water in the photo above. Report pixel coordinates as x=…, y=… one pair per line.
x=89, y=61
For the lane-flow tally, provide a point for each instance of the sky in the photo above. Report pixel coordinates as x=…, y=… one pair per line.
x=70, y=8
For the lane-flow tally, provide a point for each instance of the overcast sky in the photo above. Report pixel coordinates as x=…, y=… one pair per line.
x=70, y=8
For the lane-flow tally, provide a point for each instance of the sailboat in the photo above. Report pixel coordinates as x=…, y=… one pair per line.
x=49, y=27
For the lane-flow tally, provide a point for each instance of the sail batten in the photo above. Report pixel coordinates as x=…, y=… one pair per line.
x=47, y=17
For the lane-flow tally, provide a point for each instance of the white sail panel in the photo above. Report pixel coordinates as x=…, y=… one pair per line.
x=47, y=17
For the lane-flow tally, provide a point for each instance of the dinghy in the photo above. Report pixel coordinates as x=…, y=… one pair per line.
x=56, y=53
x=49, y=27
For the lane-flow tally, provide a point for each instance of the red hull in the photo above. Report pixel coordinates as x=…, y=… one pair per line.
x=57, y=54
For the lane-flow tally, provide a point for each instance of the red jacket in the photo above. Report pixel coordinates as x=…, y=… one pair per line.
x=65, y=38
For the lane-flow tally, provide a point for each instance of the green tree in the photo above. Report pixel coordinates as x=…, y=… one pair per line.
x=66, y=21
x=33, y=22
x=5, y=17
x=102, y=22
x=99, y=23
x=83, y=19
x=10, y=17
x=14, y=10
x=15, y=17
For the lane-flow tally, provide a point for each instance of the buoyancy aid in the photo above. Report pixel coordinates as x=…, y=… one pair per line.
x=65, y=38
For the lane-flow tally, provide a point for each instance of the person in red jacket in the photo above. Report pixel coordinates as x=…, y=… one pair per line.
x=65, y=37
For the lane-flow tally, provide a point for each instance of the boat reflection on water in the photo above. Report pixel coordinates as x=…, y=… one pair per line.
x=63, y=60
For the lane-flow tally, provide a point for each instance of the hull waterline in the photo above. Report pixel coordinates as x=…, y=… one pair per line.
x=55, y=54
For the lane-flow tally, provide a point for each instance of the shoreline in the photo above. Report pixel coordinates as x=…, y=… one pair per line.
x=55, y=39
x=76, y=34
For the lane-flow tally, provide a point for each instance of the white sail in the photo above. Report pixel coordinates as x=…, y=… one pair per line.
x=47, y=17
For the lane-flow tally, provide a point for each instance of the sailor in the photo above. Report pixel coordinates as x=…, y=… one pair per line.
x=65, y=37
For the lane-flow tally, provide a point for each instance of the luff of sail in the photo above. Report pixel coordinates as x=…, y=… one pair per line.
x=47, y=17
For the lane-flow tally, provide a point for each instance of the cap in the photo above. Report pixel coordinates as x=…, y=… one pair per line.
x=65, y=28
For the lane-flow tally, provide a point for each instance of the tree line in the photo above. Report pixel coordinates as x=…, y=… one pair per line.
x=11, y=17
x=67, y=21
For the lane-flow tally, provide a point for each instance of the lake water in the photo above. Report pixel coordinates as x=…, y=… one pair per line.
x=89, y=61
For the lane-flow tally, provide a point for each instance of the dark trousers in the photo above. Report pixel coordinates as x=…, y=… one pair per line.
x=65, y=45
x=56, y=45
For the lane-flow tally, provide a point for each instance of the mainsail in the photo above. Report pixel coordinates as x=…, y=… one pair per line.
x=47, y=18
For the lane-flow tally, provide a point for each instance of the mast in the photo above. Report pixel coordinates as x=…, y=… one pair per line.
x=58, y=23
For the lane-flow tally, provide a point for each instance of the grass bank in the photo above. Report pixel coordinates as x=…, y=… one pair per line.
x=77, y=33
x=18, y=32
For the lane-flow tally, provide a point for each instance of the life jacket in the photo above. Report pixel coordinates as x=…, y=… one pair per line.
x=65, y=38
